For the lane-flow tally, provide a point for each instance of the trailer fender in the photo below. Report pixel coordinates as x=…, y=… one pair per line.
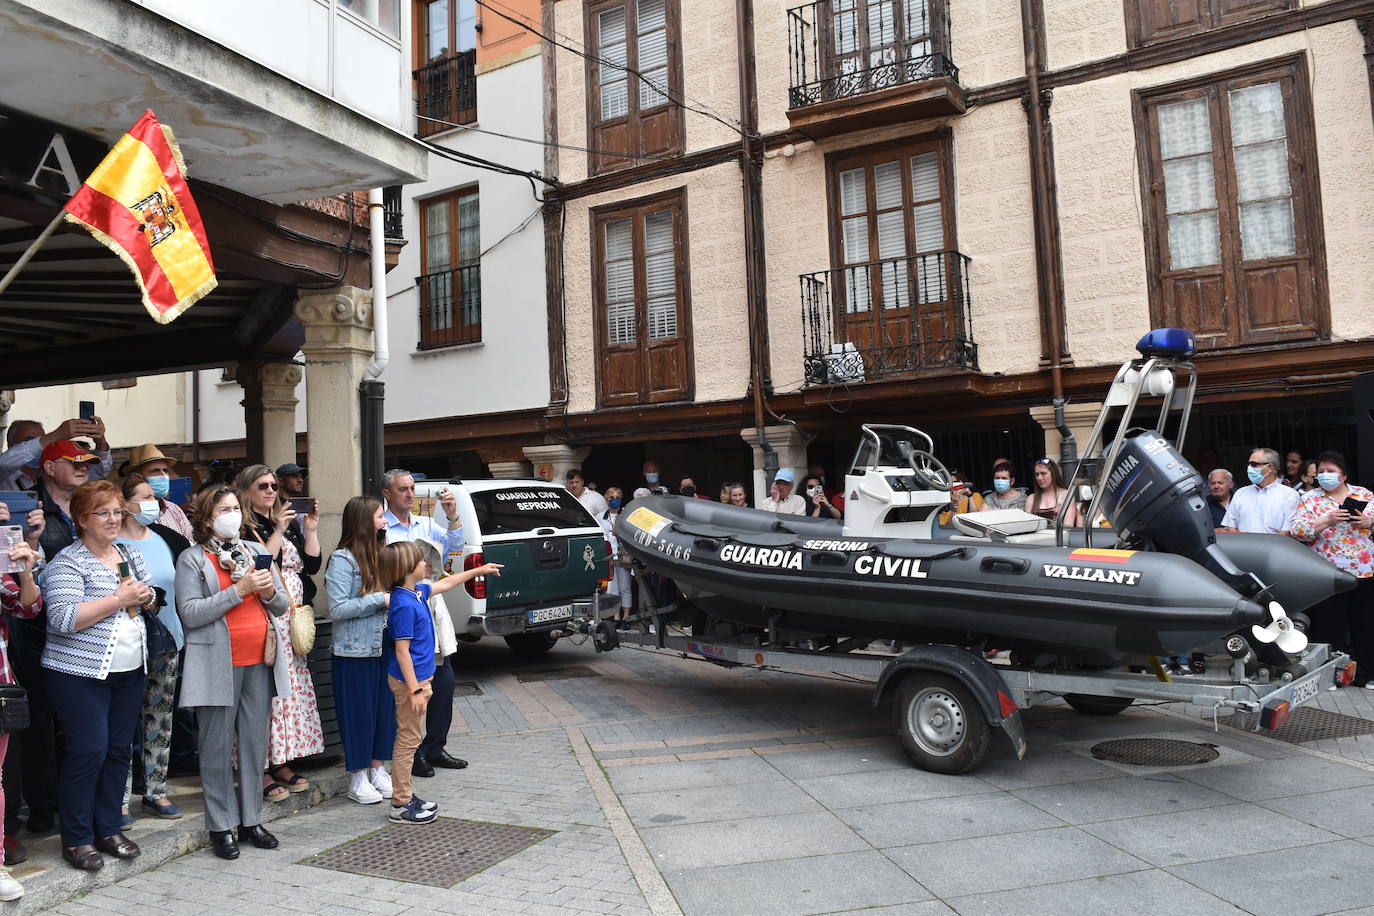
x=971, y=670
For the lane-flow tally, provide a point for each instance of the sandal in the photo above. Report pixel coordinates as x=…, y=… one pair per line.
x=275, y=793
x=296, y=782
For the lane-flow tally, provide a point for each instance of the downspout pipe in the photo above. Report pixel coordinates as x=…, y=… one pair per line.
x=377, y=239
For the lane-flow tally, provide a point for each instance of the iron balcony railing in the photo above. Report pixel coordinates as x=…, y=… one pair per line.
x=446, y=93
x=393, y=225
x=844, y=48
x=450, y=307
x=894, y=317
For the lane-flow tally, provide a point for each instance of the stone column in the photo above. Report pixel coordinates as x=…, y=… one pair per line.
x=505, y=463
x=552, y=462
x=790, y=445
x=1079, y=416
x=269, y=408
x=338, y=347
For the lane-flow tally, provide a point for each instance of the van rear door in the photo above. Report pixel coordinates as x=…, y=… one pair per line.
x=551, y=547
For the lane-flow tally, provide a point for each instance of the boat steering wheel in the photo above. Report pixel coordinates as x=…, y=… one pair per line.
x=927, y=468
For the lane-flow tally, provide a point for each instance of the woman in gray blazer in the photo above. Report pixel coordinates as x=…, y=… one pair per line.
x=232, y=670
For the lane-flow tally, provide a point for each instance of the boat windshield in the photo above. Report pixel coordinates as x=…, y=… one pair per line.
x=889, y=446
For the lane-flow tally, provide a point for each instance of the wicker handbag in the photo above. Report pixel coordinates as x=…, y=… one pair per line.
x=302, y=628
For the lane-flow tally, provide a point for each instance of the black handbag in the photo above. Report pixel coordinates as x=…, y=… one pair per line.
x=14, y=709
x=158, y=638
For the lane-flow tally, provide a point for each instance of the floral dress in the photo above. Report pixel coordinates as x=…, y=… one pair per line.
x=296, y=728
x=1343, y=545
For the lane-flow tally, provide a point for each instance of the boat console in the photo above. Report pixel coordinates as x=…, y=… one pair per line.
x=895, y=488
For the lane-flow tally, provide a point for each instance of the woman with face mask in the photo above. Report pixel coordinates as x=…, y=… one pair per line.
x=227, y=589
x=1335, y=521
x=1004, y=494
x=159, y=546
x=624, y=585
x=817, y=505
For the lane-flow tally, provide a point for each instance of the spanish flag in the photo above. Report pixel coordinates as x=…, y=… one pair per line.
x=137, y=204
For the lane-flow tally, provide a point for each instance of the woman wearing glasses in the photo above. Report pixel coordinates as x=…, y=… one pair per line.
x=96, y=592
x=1050, y=494
x=296, y=730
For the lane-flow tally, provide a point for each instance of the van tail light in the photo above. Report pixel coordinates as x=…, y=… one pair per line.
x=610, y=565
x=477, y=587
x=1273, y=717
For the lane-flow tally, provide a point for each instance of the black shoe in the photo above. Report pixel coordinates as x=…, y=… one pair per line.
x=83, y=857
x=421, y=767
x=223, y=843
x=448, y=762
x=258, y=836
x=41, y=823
x=119, y=846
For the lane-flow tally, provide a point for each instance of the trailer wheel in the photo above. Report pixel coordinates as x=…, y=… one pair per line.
x=940, y=725
x=1097, y=706
x=530, y=645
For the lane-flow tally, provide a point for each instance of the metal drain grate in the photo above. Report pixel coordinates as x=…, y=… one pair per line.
x=555, y=674
x=1155, y=752
x=439, y=854
x=1308, y=723
x=466, y=689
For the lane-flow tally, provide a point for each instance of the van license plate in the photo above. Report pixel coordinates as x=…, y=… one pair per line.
x=545, y=614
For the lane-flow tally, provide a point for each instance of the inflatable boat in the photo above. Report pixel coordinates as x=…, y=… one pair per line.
x=1159, y=582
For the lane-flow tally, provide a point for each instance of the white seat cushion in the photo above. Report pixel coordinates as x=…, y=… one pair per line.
x=1006, y=522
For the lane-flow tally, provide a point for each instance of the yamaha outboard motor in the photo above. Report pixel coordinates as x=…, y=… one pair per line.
x=1154, y=494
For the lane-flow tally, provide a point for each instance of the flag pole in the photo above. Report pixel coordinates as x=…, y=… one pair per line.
x=30, y=252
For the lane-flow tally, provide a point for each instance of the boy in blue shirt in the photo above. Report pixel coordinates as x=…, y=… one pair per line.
x=410, y=670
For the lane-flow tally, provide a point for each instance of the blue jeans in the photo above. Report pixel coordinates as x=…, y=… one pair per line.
x=98, y=719
x=365, y=708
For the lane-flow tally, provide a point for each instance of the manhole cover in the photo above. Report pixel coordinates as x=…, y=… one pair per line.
x=440, y=854
x=555, y=674
x=1308, y=723
x=466, y=689
x=1155, y=752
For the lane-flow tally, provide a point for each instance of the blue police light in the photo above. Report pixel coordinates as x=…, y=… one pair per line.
x=1173, y=342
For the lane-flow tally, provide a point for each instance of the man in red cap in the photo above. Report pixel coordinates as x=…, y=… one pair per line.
x=25, y=440
x=63, y=466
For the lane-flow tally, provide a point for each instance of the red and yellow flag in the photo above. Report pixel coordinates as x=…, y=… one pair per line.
x=137, y=204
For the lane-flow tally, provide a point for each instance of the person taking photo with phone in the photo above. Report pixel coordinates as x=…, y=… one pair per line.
x=1335, y=521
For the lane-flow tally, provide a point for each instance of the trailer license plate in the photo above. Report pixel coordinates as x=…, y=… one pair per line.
x=545, y=614
x=1305, y=691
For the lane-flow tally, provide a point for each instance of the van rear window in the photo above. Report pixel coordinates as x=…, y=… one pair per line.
x=509, y=511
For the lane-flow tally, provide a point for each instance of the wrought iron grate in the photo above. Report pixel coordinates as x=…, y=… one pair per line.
x=1155, y=752
x=439, y=854
x=555, y=674
x=1308, y=723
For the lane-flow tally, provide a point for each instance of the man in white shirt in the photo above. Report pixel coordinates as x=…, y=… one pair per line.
x=591, y=500
x=780, y=498
x=398, y=491
x=1266, y=506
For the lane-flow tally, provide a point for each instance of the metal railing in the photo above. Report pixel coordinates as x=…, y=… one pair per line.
x=445, y=93
x=897, y=316
x=843, y=48
x=393, y=223
x=450, y=307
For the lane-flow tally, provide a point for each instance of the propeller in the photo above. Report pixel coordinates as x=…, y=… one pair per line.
x=1280, y=631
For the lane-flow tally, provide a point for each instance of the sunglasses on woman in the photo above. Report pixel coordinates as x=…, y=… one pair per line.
x=267, y=486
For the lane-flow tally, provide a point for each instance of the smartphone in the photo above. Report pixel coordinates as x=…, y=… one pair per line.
x=1354, y=506
x=302, y=505
x=9, y=536
x=85, y=409
x=21, y=503
x=262, y=561
x=125, y=571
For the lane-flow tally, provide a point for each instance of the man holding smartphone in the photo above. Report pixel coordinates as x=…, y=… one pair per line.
x=25, y=441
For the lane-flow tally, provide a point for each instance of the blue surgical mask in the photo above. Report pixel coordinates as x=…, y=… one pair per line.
x=1329, y=480
x=651, y=478
x=613, y=502
x=1001, y=485
x=148, y=511
x=161, y=484
x=1255, y=475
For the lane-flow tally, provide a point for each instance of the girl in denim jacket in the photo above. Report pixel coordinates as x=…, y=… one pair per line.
x=357, y=606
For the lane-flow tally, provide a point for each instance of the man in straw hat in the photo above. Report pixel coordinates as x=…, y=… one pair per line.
x=156, y=468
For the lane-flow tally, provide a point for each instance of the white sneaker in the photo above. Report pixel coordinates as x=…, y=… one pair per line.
x=361, y=790
x=381, y=780
x=10, y=889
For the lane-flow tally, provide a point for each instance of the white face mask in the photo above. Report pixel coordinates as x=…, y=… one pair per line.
x=228, y=525
x=814, y=491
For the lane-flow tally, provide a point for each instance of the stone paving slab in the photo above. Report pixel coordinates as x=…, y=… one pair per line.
x=1142, y=892
x=1193, y=836
x=1302, y=882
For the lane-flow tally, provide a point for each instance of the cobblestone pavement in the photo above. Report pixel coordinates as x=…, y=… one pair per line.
x=676, y=786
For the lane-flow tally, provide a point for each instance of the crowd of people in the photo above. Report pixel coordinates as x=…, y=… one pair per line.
x=143, y=632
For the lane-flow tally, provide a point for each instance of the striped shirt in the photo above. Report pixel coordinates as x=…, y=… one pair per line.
x=9, y=603
x=74, y=577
